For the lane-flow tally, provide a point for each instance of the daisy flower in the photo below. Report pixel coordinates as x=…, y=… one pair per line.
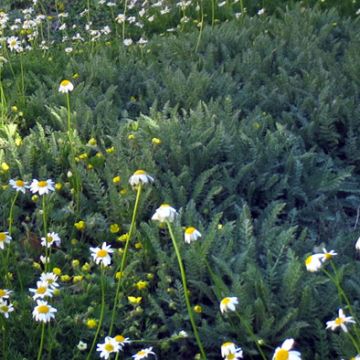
x=50, y=239
x=143, y=354
x=314, y=262
x=66, y=86
x=6, y=308
x=82, y=345
x=165, y=213
x=328, y=255
x=340, y=321
x=238, y=354
x=13, y=43
x=102, y=255
x=228, y=304
x=42, y=290
x=227, y=348
x=284, y=352
x=357, y=244
x=191, y=234
x=50, y=278
x=5, y=238
x=140, y=177
x=109, y=346
x=43, y=311
x=18, y=185
x=4, y=293
x=42, y=187
x=121, y=340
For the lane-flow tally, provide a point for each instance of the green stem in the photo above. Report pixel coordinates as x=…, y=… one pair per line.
x=22, y=80
x=4, y=340
x=201, y=26
x=251, y=334
x=41, y=341
x=212, y=13
x=123, y=24
x=45, y=231
x=11, y=214
x=354, y=342
x=183, y=278
x=102, y=310
x=242, y=7
x=123, y=259
x=6, y=263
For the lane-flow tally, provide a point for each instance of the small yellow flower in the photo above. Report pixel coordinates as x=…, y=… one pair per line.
x=110, y=150
x=91, y=323
x=58, y=186
x=198, y=309
x=56, y=271
x=92, y=142
x=99, y=155
x=83, y=156
x=34, y=198
x=138, y=245
x=65, y=278
x=156, y=141
x=140, y=285
x=80, y=225
x=75, y=263
x=75, y=76
x=77, y=278
x=90, y=166
x=116, y=179
x=18, y=141
x=5, y=167
x=36, y=265
x=86, y=267
x=131, y=137
x=56, y=292
x=123, y=237
x=123, y=192
x=150, y=276
x=134, y=300
x=14, y=109
x=118, y=275
x=114, y=228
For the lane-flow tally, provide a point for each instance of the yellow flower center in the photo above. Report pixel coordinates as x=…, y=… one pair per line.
x=308, y=260
x=328, y=256
x=190, y=230
x=13, y=42
x=226, y=344
x=141, y=353
x=164, y=205
x=2, y=236
x=282, y=354
x=101, y=253
x=108, y=347
x=41, y=290
x=4, y=308
x=339, y=321
x=43, y=309
x=231, y=356
x=119, y=338
x=49, y=238
x=65, y=83
x=42, y=183
x=2, y=293
x=19, y=183
x=140, y=172
x=226, y=301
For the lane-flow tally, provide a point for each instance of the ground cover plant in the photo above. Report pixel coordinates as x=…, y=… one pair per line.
x=179, y=180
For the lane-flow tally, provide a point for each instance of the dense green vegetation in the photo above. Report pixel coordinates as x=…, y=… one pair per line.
x=250, y=129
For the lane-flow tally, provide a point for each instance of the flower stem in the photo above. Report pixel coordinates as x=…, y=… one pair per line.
x=123, y=24
x=11, y=214
x=183, y=278
x=201, y=25
x=45, y=231
x=41, y=341
x=102, y=310
x=123, y=259
x=251, y=334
